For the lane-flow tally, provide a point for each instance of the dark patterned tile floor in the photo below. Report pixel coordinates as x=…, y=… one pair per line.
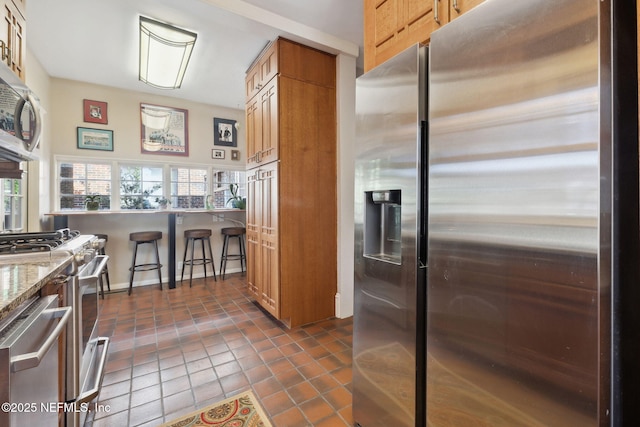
x=175, y=351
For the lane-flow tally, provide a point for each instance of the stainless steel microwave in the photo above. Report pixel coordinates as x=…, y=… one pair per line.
x=20, y=119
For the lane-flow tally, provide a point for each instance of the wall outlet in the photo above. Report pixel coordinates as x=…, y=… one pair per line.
x=179, y=219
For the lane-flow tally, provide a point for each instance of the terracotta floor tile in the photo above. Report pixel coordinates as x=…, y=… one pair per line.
x=338, y=398
x=277, y=403
x=145, y=395
x=332, y=421
x=175, y=350
x=302, y=392
x=316, y=409
x=290, y=418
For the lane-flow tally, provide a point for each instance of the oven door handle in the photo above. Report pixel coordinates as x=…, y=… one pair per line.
x=33, y=359
x=91, y=394
x=102, y=260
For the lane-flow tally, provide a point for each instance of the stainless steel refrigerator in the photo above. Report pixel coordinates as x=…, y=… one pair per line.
x=496, y=215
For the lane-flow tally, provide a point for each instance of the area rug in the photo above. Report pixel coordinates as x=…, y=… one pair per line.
x=452, y=400
x=241, y=410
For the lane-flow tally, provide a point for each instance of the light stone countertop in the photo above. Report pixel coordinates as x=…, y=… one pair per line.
x=22, y=276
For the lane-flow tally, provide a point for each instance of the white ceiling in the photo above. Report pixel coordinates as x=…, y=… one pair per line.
x=96, y=41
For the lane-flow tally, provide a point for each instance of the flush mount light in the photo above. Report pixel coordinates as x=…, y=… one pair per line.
x=164, y=53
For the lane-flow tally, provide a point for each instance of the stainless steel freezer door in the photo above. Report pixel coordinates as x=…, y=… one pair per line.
x=514, y=195
x=389, y=110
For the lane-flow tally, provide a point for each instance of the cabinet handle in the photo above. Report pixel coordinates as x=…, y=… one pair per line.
x=6, y=52
x=436, y=11
x=456, y=7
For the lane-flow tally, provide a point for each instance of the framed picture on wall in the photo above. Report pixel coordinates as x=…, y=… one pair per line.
x=224, y=132
x=95, y=139
x=95, y=112
x=217, y=154
x=164, y=130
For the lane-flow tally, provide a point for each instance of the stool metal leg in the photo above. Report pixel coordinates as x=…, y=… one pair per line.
x=243, y=254
x=213, y=265
x=133, y=268
x=223, y=258
x=155, y=243
x=184, y=258
x=193, y=246
x=204, y=258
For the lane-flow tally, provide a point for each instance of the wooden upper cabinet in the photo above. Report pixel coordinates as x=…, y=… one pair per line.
x=12, y=34
x=458, y=7
x=263, y=69
x=391, y=26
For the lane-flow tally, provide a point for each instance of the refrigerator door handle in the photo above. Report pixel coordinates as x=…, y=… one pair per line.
x=423, y=194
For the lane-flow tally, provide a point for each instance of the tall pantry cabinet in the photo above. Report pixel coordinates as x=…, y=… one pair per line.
x=291, y=182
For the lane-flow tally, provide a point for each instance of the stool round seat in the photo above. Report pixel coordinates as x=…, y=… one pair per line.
x=228, y=233
x=233, y=231
x=190, y=238
x=141, y=238
x=197, y=233
x=145, y=236
x=105, y=271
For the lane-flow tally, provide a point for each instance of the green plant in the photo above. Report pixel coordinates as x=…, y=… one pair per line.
x=163, y=201
x=236, y=200
x=92, y=202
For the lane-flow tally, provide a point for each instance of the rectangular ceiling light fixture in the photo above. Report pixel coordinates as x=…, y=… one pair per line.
x=164, y=53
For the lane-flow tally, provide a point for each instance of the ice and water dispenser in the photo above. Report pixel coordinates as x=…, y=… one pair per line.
x=382, y=226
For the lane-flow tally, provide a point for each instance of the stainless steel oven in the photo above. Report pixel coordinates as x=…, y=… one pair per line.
x=85, y=352
x=29, y=380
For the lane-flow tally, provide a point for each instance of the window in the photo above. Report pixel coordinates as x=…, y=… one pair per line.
x=140, y=186
x=78, y=180
x=188, y=188
x=13, y=204
x=225, y=183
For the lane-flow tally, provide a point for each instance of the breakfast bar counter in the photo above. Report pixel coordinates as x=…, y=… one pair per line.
x=61, y=219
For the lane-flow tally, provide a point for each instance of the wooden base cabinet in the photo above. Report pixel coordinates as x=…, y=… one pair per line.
x=291, y=186
x=262, y=237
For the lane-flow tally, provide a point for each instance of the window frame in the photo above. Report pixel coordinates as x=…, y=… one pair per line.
x=116, y=164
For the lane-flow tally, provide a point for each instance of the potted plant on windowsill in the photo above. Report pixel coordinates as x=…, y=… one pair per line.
x=236, y=200
x=163, y=202
x=92, y=202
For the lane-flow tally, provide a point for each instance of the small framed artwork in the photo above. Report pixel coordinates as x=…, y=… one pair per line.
x=217, y=154
x=235, y=154
x=95, y=139
x=95, y=112
x=225, y=133
x=164, y=130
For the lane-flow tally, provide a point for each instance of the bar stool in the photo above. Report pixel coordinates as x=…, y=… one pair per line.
x=141, y=238
x=191, y=236
x=228, y=233
x=105, y=271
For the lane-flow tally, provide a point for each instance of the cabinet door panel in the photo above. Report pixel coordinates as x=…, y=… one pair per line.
x=12, y=33
x=458, y=7
x=254, y=131
x=391, y=26
x=269, y=122
x=253, y=234
x=270, y=274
